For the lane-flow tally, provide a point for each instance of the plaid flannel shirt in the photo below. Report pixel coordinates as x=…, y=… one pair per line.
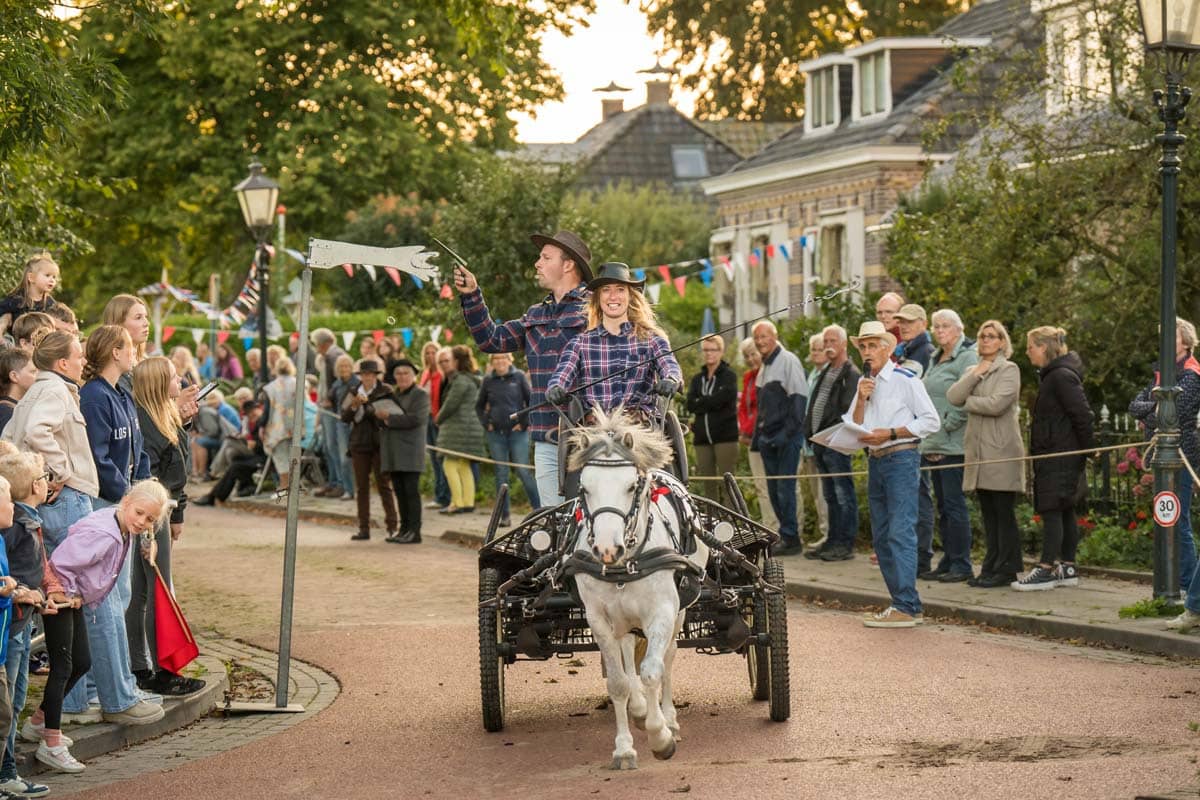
x=598, y=354
x=542, y=332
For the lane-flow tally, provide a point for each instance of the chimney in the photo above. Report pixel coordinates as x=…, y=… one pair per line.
x=611, y=106
x=658, y=93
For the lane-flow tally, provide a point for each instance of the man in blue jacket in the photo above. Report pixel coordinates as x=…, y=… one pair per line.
x=506, y=391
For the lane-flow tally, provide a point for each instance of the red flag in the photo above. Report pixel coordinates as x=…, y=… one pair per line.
x=770, y=251
x=447, y=292
x=222, y=336
x=377, y=336
x=349, y=269
x=168, y=332
x=680, y=282
x=449, y=334
x=665, y=271
x=394, y=274
x=176, y=645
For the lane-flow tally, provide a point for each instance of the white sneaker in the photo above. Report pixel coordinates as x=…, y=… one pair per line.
x=1185, y=622
x=58, y=758
x=83, y=718
x=35, y=733
x=891, y=617
x=140, y=713
x=19, y=787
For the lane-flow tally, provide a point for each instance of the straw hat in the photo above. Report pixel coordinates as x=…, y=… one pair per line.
x=873, y=329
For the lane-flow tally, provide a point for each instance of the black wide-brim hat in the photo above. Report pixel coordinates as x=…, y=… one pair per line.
x=615, y=272
x=570, y=243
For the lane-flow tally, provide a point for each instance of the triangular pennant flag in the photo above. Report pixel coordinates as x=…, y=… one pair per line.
x=349, y=270
x=783, y=250
x=665, y=271
x=446, y=292
x=706, y=275
x=680, y=282
x=377, y=335
x=175, y=646
x=770, y=251
x=296, y=254
x=727, y=265
x=420, y=283
x=270, y=248
x=198, y=335
x=435, y=332
x=407, y=335
x=393, y=273
x=803, y=242
x=707, y=263
x=347, y=339
x=449, y=334
x=247, y=343
x=754, y=257
x=222, y=337
x=640, y=274
x=708, y=326
x=370, y=268
x=654, y=291
x=168, y=331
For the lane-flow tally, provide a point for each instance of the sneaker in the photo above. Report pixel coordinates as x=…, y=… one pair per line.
x=1065, y=575
x=172, y=685
x=35, y=733
x=435, y=504
x=928, y=574
x=58, y=758
x=1039, y=579
x=92, y=715
x=837, y=554
x=1185, y=622
x=361, y=536
x=346, y=496
x=892, y=617
x=787, y=548
x=17, y=786
x=140, y=713
x=954, y=577
x=407, y=537
x=815, y=553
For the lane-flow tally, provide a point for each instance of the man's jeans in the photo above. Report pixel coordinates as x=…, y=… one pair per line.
x=893, y=484
x=840, y=497
x=333, y=456
x=1183, y=529
x=545, y=466
x=17, y=669
x=783, y=459
x=513, y=446
x=345, y=470
x=954, y=520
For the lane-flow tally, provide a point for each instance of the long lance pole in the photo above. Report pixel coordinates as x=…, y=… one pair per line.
x=810, y=300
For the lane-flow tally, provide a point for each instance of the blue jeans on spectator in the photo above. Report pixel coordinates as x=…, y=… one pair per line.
x=545, y=467
x=441, y=487
x=954, y=520
x=783, y=459
x=17, y=669
x=1183, y=529
x=68, y=508
x=840, y=497
x=512, y=446
x=893, y=484
x=333, y=458
x=341, y=431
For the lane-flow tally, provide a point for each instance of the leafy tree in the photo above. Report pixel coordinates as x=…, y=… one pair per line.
x=647, y=225
x=742, y=55
x=340, y=100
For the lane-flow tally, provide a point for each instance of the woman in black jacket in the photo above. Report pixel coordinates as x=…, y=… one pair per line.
x=712, y=398
x=156, y=387
x=1062, y=422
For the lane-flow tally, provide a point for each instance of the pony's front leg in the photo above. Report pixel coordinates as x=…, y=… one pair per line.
x=668, y=702
x=624, y=756
x=637, y=697
x=658, y=640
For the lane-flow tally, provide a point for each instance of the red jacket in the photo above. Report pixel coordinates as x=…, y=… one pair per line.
x=431, y=381
x=748, y=404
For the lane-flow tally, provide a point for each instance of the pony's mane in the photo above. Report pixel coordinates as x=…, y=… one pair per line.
x=619, y=434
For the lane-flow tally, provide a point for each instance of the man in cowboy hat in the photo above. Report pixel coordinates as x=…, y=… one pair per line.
x=542, y=332
x=621, y=332
x=892, y=404
x=365, y=448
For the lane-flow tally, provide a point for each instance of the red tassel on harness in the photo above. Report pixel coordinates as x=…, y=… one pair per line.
x=659, y=491
x=579, y=515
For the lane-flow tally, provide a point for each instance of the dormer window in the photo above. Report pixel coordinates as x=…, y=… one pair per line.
x=821, y=99
x=873, y=94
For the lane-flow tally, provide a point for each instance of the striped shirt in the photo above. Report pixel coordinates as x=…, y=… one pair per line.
x=598, y=354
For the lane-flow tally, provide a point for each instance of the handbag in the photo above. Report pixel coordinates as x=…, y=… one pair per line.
x=176, y=645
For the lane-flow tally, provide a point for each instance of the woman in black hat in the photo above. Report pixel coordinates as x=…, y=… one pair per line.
x=622, y=332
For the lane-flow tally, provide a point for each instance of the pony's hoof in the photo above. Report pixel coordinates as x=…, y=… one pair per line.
x=626, y=761
x=666, y=752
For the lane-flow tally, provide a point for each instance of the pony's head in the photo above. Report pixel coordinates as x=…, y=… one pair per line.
x=613, y=458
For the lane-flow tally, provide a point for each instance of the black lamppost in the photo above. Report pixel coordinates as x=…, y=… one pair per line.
x=258, y=195
x=1171, y=27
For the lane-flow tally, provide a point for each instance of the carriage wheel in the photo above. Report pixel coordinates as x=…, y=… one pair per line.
x=781, y=692
x=491, y=662
x=758, y=656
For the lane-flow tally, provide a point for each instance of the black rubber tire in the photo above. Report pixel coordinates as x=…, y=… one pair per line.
x=777, y=627
x=491, y=663
x=758, y=656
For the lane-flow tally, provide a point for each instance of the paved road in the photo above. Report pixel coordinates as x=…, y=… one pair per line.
x=943, y=711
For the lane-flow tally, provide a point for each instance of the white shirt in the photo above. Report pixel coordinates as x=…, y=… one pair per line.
x=899, y=401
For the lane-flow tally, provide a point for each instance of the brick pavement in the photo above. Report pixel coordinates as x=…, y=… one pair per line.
x=213, y=734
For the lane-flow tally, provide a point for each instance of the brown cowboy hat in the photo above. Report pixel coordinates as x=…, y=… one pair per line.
x=574, y=247
x=614, y=272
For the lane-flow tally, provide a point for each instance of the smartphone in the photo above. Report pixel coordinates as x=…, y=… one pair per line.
x=206, y=390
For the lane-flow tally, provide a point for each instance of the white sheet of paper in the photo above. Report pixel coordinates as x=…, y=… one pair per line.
x=845, y=437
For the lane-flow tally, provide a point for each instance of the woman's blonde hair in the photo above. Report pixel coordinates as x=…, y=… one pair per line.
x=1001, y=331
x=1053, y=339
x=100, y=346
x=1187, y=333
x=152, y=391
x=343, y=361
x=150, y=489
x=641, y=315
x=117, y=311
x=22, y=469
x=284, y=366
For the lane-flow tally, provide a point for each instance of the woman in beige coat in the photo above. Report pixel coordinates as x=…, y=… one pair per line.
x=990, y=393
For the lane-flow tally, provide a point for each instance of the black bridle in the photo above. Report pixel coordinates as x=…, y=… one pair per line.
x=629, y=517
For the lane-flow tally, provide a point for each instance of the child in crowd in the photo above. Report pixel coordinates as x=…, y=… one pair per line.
x=64, y=318
x=83, y=570
x=17, y=374
x=34, y=293
x=30, y=329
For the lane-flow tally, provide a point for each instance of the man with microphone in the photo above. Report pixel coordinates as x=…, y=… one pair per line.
x=892, y=404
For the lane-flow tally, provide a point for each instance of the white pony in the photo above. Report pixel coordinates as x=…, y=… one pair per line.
x=625, y=564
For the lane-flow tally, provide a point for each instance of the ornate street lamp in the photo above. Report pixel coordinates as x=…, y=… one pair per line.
x=258, y=196
x=1171, y=27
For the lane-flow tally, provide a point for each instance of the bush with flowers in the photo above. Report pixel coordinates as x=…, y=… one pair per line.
x=1117, y=541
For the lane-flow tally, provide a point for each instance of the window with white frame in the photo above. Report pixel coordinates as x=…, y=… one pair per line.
x=872, y=84
x=831, y=255
x=822, y=98
x=1081, y=71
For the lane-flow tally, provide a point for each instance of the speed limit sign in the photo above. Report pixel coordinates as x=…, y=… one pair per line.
x=1166, y=509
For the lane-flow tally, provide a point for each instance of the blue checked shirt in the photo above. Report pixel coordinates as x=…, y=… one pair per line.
x=598, y=354
x=542, y=332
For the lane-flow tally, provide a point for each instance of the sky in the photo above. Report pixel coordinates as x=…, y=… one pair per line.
x=613, y=48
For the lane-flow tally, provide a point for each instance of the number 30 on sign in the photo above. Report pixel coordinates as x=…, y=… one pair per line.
x=1166, y=509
